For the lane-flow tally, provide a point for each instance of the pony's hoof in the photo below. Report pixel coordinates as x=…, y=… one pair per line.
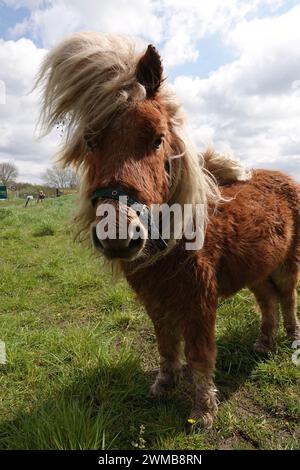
x=262, y=347
x=294, y=335
x=161, y=389
x=205, y=421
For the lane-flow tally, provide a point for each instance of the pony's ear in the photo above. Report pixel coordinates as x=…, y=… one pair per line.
x=149, y=71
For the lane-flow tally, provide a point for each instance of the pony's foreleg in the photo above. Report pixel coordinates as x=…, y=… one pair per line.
x=170, y=350
x=200, y=352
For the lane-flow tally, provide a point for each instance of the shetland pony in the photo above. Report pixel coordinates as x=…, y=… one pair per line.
x=125, y=130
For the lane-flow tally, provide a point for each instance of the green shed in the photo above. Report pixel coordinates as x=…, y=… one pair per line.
x=3, y=192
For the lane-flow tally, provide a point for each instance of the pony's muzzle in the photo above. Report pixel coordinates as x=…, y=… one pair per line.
x=125, y=248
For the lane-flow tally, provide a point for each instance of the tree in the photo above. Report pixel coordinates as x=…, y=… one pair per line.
x=8, y=173
x=74, y=180
x=60, y=178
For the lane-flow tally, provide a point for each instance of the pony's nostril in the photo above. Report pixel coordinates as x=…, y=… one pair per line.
x=117, y=248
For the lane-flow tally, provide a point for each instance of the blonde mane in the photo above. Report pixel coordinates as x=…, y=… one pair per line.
x=89, y=78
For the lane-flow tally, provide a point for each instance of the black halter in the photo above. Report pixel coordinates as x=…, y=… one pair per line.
x=145, y=214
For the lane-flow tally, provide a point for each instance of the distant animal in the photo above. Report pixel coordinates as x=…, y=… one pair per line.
x=126, y=134
x=28, y=199
x=41, y=196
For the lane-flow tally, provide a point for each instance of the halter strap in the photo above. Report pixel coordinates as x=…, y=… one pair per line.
x=112, y=193
x=145, y=214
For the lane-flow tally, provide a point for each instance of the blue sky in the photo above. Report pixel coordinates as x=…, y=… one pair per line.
x=233, y=63
x=9, y=16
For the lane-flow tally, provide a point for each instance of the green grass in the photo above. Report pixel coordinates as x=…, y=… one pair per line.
x=82, y=353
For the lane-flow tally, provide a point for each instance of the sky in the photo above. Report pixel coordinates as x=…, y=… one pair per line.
x=235, y=65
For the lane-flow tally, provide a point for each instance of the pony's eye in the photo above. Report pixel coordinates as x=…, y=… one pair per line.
x=158, y=141
x=90, y=145
x=91, y=142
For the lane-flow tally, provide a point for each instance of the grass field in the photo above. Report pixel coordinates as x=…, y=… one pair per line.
x=81, y=355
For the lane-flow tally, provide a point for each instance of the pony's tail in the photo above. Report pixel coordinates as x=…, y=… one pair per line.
x=223, y=167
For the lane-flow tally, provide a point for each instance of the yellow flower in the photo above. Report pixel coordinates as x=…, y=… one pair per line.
x=191, y=421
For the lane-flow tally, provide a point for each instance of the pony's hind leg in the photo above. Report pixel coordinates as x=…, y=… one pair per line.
x=268, y=301
x=286, y=283
x=171, y=359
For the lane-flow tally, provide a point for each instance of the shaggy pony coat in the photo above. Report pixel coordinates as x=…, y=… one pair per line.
x=113, y=102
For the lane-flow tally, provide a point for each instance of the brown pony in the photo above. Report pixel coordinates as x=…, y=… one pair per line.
x=125, y=130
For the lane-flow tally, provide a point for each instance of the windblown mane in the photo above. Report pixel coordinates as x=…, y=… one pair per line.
x=223, y=167
x=89, y=78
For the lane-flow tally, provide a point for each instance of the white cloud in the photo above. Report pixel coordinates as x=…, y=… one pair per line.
x=187, y=22
x=177, y=24
x=19, y=114
x=252, y=105
x=50, y=24
x=59, y=18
